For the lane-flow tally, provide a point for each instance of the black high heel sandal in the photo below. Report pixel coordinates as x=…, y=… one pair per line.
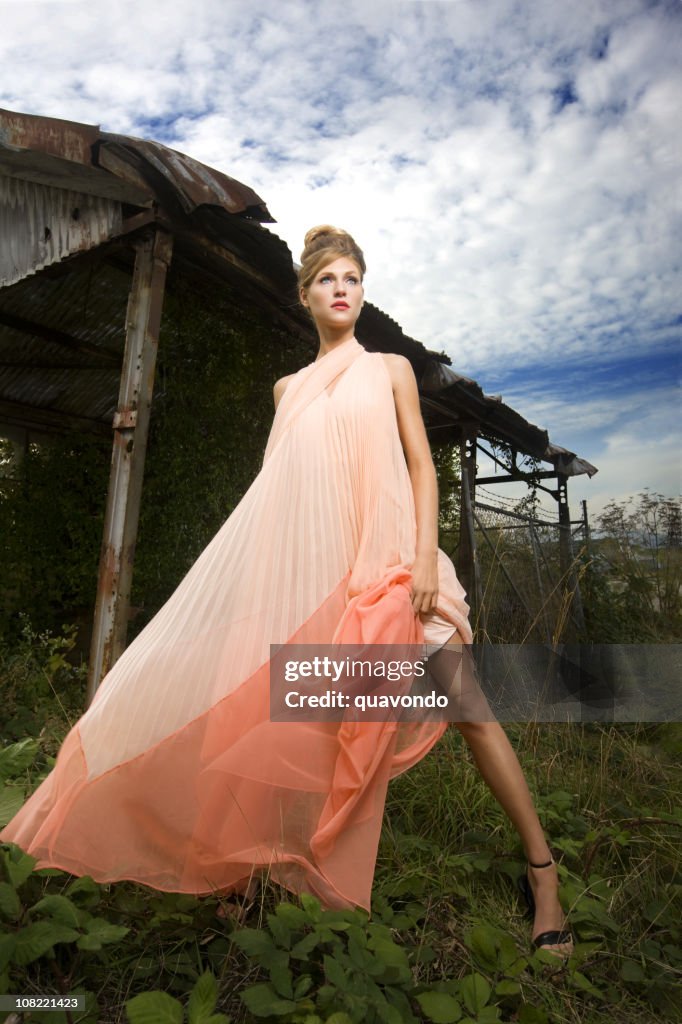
x=550, y=938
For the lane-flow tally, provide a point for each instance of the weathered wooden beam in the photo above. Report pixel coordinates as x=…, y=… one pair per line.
x=131, y=427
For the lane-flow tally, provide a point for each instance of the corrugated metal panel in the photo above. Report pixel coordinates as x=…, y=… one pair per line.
x=192, y=183
x=89, y=303
x=40, y=148
x=89, y=393
x=467, y=401
x=40, y=225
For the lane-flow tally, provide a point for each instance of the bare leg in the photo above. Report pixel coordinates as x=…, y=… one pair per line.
x=500, y=768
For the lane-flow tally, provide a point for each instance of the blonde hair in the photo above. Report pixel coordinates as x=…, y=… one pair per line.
x=324, y=244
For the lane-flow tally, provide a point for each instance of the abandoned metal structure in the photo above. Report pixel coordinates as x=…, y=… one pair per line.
x=90, y=221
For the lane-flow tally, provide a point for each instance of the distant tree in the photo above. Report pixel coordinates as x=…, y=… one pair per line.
x=640, y=540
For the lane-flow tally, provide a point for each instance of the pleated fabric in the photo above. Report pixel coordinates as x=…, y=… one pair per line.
x=175, y=777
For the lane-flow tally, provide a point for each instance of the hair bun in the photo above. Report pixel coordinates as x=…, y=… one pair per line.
x=321, y=231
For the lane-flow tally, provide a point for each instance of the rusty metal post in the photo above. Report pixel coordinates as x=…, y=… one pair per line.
x=131, y=427
x=468, y=566
x=566, y=554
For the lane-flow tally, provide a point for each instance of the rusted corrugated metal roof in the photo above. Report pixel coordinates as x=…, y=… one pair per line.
x=488, y=411
x=83, y=158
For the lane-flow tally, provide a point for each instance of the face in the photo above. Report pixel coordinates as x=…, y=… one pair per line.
x=334, y=296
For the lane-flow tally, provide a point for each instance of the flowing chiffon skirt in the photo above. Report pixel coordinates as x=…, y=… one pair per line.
x=175, y=776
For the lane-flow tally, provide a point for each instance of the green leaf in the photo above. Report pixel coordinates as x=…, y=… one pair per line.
x=335, y=974
x=16, y=758
x=475, y=992
x=339, y=1018
x=282, y=980
x=337, y=920
x=10, y=904
x=7, y=944
x=203, y=998
x=388, y=953
x=482, y=941
x=440, y=1007
x=359, y=954
x=293, y=916
x=263, y=1001
x=388, y=1014
x=154, y=1008
x=311, y=905
x=630, y=970
x=281, y=931
x=302, y=949
x=11, y=800
x=100, y=932
x=585, y=984
x=61, y=909
x=488, y=1015
x=254, y=941
x=507, y=988
x=302, y=986
x=86, y=889
x=19, y=865
x=509, y=959
x=529, y=1014
x=36, y=939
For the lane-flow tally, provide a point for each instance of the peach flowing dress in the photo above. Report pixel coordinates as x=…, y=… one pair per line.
x=175, y=776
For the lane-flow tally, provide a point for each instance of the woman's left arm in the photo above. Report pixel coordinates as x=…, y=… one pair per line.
x=424, y=482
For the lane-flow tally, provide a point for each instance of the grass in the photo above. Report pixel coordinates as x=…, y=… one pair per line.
x=609, y=799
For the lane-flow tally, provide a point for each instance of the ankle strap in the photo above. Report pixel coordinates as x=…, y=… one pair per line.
x=550, y=861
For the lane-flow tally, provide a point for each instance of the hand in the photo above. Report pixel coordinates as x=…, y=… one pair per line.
x=424, y=583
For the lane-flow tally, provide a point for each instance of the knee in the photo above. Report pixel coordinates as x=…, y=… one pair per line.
x=478, y=730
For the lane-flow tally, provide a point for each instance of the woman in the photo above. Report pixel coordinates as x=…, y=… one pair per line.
x=176, y=776
x=333, y=293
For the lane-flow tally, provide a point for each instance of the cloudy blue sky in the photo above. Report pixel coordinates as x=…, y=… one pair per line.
x=511, y=168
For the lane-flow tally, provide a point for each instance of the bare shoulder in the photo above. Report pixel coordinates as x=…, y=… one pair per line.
x=399, y=369
x=280, y=387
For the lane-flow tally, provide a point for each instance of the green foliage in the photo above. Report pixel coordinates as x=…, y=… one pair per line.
x=632, y=587
x=446, y=459
x=51, y=516
x=43, y=691
x=323, y=962
x=160, y=1008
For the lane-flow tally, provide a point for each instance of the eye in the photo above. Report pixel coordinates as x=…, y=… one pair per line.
x=351, y=279
x=324, y=278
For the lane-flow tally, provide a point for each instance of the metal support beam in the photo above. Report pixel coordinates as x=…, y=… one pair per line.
x=131, y=427
x=49, y=421
x=566, y=556
x=524, y=478
x=104, y=356
x=468, y=567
